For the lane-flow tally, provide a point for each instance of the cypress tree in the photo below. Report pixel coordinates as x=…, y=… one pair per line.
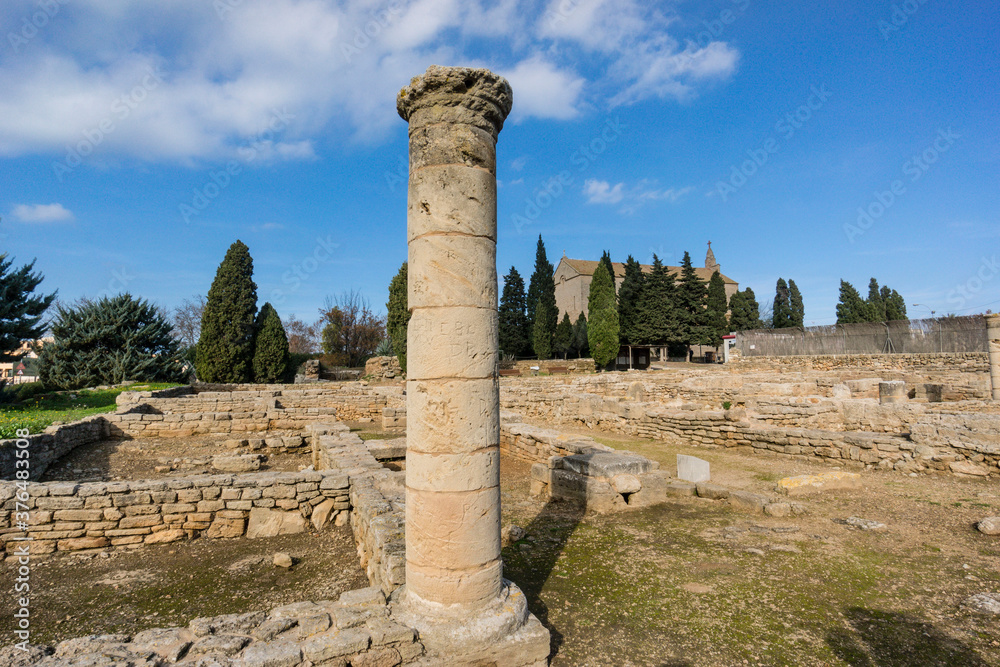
x=513, y=318
x=270, y=347
x=895, y=306
x=110, y=341
x=630, y=297
x=691, y=295
x=602, y=329
x=225, y=348
x=876, y=306
x=745, y=311
x=562, y=341
x=541, y=308
x=657, y=320
x=715, y=313
x=581, y=344
x=20, y=309
x=851, y=307
x=606, y=261
x=398, y=318
x=796, y=307
x=781, y=311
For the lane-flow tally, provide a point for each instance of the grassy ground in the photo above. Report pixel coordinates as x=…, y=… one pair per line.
x=41, y=411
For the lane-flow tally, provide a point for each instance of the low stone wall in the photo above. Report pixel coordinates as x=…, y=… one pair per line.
x=969, y=362
x=546, y=365
x=48, y=446
x=66, y=516
x=242, y=410
x=357, y=629
x=383, y=368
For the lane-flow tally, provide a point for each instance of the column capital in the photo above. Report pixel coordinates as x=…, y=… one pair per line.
x=471, y=96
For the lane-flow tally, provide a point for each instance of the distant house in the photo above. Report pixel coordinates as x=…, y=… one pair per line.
x=22, y=365
x=573, y=277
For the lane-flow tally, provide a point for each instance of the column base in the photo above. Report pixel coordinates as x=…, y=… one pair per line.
x=501, y=633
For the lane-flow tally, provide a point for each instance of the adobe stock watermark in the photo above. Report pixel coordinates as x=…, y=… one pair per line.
x=119, y=282
x=914, y=168
x=553, y=187
x=716, y=26
x=31, y=25
x=988, y=270
x=301, y=271
x=219, y=180
x=121, y=108
x=18, y=545
x=363, y=36
x=785, y=128
x=899, y=17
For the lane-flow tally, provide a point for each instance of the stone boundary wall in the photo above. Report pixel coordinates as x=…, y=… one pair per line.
x=965, y=443
x=48, y=446
x=69, y=516
x=546, y=365
x=383, y=368
x=968, y=362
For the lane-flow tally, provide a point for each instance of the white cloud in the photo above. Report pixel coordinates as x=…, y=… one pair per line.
x=601, y=192
x=42, y=213
x=190, y=84
x=631, y=198
x=544, y=90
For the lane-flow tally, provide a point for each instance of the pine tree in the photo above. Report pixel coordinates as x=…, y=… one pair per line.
x=874, y=303
x=225, y=347
x=398, y=318
x=513, y=319
x=562, y=341
x=270, y=347
x=581, y=344
x=691, y=295
x=602, y=329
x=781, y=311
x=110, y=341
x=851, y=307
x=606, y=261
x=895, y=306
x=796, y=307
x=20, y=309
x=630, y=297
x=716, y=307
x=542, y=299
x=657, y=318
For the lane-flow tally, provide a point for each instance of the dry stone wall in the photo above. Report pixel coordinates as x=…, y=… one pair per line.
x=969, y=362
x=48, y=446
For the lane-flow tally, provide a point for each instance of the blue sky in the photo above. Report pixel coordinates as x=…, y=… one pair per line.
x=805, y=141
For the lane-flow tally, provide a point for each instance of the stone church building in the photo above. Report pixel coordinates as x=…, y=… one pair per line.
x=573, y=276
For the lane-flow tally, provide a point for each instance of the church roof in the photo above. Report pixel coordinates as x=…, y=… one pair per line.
x=587, y=267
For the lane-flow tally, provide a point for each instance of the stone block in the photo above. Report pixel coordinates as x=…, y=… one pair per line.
x=693, y=469
x=269, y=523
x=607, y=464
x=753, y=502
x=712, y=491
x=801, y=485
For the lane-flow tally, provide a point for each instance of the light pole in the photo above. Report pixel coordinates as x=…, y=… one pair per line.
x=940, y=342
x=923, y=306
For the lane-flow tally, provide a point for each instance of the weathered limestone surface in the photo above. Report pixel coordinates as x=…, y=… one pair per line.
x=993, y=340
x=455, y=593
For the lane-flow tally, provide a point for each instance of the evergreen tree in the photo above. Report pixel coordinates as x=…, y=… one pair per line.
x=542, y=334
x=744, y=311
x=602, y=329
x=270, y=347
x=691, y=295
x=797, y=309
x=398, y=318
x=581, y=345
x=110, y=341
x=630, y=298
x=851, y=308
x=542, y=299
x=716, y=307
x=606, y=261
x=225, y=347
x=875, y=304
x=781, y=311
x=20, y=309
x=515, y=336
x=895, y=306
x=656, y=317
x=562, y=342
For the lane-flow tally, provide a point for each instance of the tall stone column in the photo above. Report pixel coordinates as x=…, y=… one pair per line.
x=453, y=402
x=993, y=343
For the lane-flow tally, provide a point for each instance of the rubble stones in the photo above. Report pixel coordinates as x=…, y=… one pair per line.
x=989, y=526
